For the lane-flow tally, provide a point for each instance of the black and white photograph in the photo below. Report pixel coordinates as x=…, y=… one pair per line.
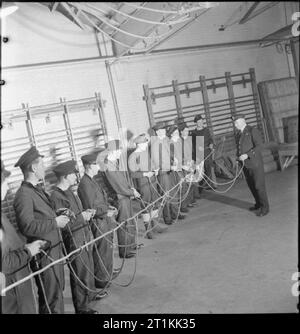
x=149, y=160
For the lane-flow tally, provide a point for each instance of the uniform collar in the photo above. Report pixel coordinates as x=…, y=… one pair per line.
x=86, y=175
x=30, y=185
x=60, y=190
x=246, y=129
x=43, y=194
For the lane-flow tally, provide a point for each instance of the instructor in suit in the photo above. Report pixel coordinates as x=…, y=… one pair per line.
x=249, y=146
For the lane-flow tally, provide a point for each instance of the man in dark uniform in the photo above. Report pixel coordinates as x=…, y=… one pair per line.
x=139, y=164
x=161, y=164
x=93, y=197
x=249, y=146
x=75, y=235
x=125, y=191
x=188, y=164
x=176, y=150
x=15, y=258
x=36, y=219
x=202, y=131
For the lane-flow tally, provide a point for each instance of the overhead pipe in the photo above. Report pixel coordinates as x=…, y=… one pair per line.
x=261, y=10
x=113, y=94
x=142, y=54
x=199, y=47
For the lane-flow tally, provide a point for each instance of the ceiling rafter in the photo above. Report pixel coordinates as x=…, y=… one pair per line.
x=53, y=6
x=127, y=28
x=260, y=11
x=173, y=33
x=102, y=24
x=245, y=18
x=280, y=35
x=148, y=33
x=67, y=7
x=127, y=19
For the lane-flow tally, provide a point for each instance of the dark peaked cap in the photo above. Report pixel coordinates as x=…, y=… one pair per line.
x=4, y=172
x=65, y=168
x=179, y=120
x=171, y=129
x=28, y=157
x=159, y=125
x=237, y=116
x=89, y=158
x=182, y=126
x=197, y=117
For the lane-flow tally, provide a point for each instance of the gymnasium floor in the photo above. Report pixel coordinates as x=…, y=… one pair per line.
x=221, y=259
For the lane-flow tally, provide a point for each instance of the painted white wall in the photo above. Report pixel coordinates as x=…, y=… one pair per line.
x=38, y=86
x=37, y=35
x=158, y=71
x=47, y=84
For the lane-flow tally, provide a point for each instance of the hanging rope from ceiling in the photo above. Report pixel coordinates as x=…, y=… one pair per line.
x=124, y=31
x=156, y=37
x=162, y=11
x=113, y=39
x=143, y=20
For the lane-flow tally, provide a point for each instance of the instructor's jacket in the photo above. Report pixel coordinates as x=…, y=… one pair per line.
x=250, y=142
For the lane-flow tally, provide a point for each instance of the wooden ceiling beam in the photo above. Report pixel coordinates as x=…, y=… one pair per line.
x=173, y=33
x=53, y=6
x=127, y=18
x=244, y=19
x=73, y=15
x=261, y=10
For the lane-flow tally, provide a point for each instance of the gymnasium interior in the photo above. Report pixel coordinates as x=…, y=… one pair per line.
x=75, y=75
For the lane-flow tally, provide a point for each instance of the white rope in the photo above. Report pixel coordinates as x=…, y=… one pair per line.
x=124, y=31
x=163, y=197
x=135, y=262
x=162, y=11
x=225, y=191
x=26, y=278
x=113, y=39
x=86, y=267
x=145, y=21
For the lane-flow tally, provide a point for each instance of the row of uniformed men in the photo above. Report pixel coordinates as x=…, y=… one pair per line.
x=50, y=226
x=41, y=218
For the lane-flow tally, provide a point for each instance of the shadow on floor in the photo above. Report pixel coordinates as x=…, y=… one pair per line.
x=214, y=197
